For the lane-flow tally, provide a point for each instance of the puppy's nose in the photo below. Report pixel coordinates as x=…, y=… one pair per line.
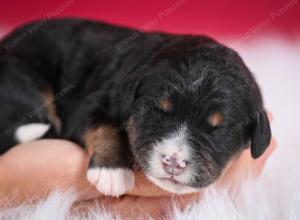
x=172, y=165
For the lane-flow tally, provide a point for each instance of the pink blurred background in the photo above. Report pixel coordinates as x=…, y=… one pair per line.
x=230, y=19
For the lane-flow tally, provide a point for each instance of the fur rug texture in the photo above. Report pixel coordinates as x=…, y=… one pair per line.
x=275, y=194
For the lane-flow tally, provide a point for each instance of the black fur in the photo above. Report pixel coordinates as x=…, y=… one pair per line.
x=117, y=73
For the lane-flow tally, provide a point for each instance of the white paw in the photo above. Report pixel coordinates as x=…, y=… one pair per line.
x=111, y=181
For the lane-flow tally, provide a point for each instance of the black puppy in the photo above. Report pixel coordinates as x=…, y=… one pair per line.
x=179, y=107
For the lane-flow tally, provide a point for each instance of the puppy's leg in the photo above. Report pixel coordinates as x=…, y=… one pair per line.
x=109, y=167
x=23, y=111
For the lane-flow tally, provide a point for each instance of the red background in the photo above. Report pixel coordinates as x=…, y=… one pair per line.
x=232, y=18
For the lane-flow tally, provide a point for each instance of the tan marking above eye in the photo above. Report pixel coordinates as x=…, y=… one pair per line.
x=215, y=119
x=166, y=105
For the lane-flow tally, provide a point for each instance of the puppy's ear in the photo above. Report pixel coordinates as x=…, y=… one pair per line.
x=261, y=135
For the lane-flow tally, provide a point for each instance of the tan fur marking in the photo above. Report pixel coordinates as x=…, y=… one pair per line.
x=216, y=119
x=166, y=105
x=131, y=131
x=101, y=141
x=51, y=108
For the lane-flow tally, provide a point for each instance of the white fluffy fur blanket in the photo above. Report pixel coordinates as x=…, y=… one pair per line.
x=275, y=195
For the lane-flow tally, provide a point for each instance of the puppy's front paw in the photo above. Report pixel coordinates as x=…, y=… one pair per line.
x=111, y=181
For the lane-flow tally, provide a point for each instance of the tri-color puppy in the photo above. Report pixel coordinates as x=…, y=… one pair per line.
x=179, y=107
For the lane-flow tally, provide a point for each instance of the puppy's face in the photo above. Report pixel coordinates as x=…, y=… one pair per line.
x=190, y=120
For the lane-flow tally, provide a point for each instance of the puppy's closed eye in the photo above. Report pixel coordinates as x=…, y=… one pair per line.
x=215, y=119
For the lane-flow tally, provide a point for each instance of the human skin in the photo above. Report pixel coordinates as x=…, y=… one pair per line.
x=34, y=169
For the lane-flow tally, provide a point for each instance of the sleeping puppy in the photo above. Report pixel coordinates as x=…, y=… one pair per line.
x=179, y=107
